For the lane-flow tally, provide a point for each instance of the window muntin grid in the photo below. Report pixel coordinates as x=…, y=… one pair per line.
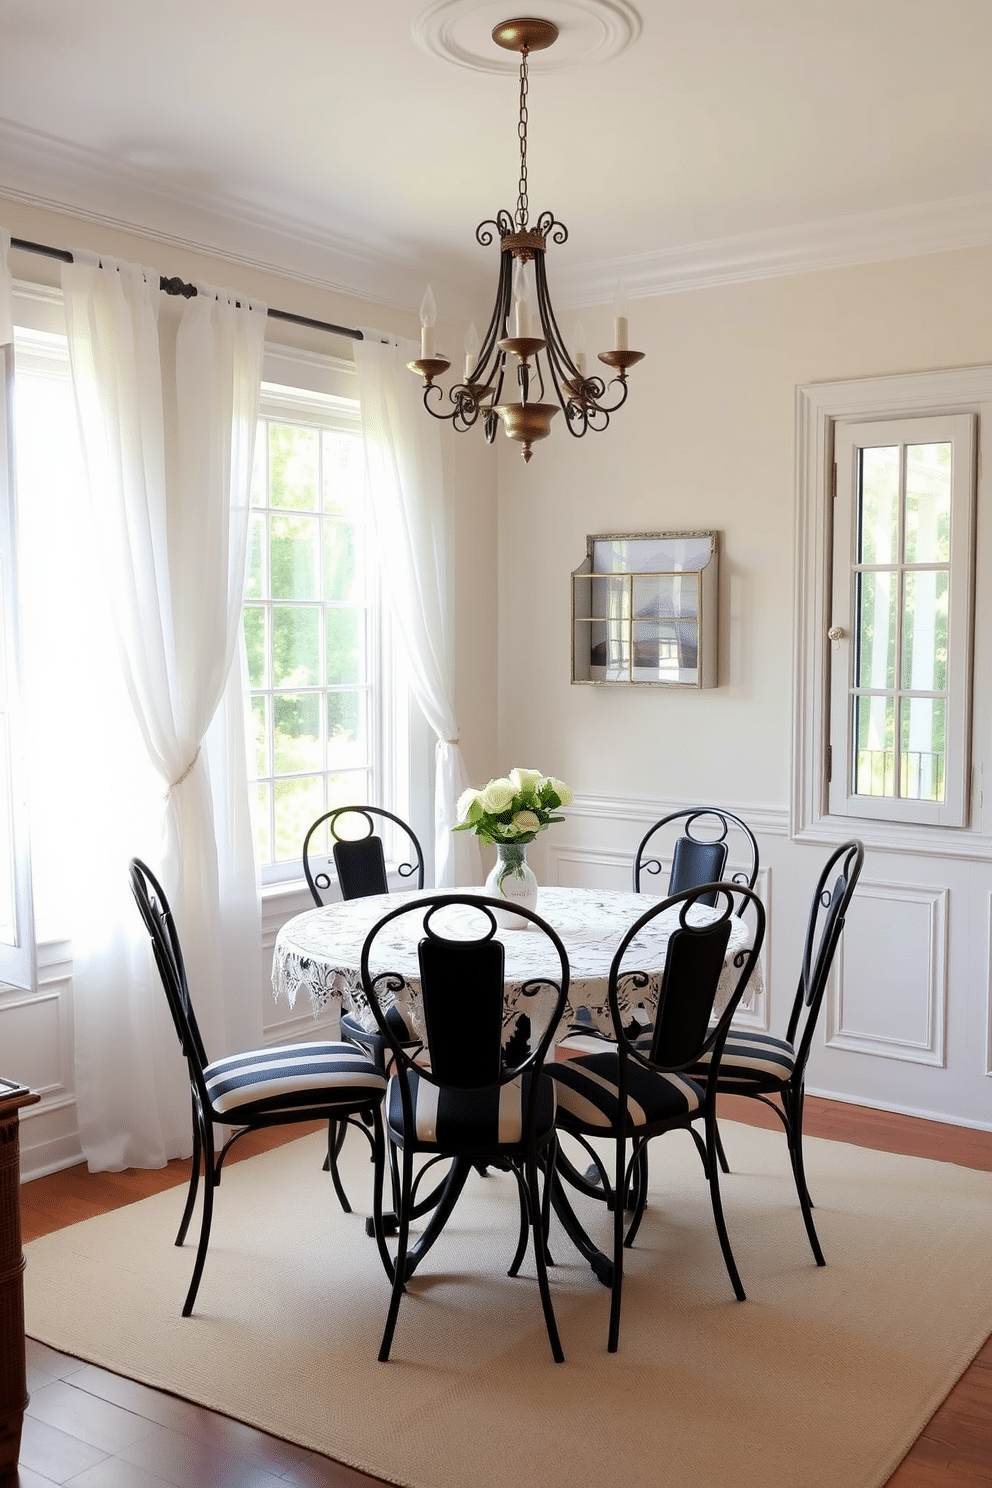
x=310, y=624
x=902, y=586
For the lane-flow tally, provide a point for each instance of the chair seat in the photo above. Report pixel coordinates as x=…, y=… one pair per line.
x=588, y=1093
x=399, y=1019
x=288, y=1077
x=753, y=1058
x=485, y=1119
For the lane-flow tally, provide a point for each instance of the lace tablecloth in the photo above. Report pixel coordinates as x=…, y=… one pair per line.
x=320, y=953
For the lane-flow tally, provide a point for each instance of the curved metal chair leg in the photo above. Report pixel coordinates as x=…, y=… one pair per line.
x=593, y=1182
x=400, y=1262
x=379, y=1179
x=194, y=1182
x=616, y=1290
x=336, y=1133
x=701, y=1149
x=721, y=1154
x=550, y=1168
x=207, y=1216
x=534, y=1204
x=525, y=1222
x=637, y=1183
x=721, y=1225
x=795, y=1134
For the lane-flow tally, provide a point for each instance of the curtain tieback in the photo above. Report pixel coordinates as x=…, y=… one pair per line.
x=174, y=784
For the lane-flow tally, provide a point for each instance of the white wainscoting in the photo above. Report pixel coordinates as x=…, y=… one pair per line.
x=36, y=1037
x=892, y=1006
x=907, y=1024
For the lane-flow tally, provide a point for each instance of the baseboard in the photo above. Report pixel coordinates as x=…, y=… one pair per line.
x=899, y=1110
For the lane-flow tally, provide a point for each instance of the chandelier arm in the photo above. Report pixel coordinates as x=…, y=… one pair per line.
x=621, y=400
x=549, y=227
x=502, y=225
x=501, y=308
x=452, y=395
x=557, y=350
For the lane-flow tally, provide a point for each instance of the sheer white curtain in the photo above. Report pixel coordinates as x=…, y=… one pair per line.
x=406, y=487
x=167, y=404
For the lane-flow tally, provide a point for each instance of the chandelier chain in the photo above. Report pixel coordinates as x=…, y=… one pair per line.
x=522, y=134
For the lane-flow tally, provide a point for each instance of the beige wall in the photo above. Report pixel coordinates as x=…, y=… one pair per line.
x=706, y=440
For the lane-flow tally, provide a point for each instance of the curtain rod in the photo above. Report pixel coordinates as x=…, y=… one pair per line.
x=188, y=291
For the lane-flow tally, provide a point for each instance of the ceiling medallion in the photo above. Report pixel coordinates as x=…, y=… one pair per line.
x=536, y=344
x=591, y=31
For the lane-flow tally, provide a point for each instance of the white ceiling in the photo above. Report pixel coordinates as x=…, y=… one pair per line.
x=692, y=141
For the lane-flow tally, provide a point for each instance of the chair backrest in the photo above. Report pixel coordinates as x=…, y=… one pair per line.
x=463, y=995
x=154, y=909
x=699, y=852
x=359, y=861
x=684, y=1027
x=828, y=911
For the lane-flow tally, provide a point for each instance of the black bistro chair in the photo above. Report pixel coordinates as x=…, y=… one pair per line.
x=463, y=1093
x=637, y=1088
x=360, y=868
x=275, y=1086
x=759, y=1065
x=696, y=839
x=359, y=861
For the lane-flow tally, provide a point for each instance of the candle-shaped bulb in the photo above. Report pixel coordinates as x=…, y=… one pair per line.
x=620, y=320
x=521, y=301
x=428, y=315
x=579, y=347
x=471, y=350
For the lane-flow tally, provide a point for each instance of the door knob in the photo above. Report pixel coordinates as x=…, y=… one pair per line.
x=835, y=633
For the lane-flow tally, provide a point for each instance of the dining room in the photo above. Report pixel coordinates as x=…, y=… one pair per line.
x=774, y=328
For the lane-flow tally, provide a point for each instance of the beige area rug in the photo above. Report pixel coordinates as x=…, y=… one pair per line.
x=822, y=1377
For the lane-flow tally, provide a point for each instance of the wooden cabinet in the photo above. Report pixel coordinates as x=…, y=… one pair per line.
x=13, y=1381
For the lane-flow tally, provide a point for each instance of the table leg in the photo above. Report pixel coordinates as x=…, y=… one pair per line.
x=450, y=1191
x=602, y=1264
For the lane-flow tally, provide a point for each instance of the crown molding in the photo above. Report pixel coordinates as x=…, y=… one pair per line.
x=41, y=171
x=58, y=176
x=838, y=242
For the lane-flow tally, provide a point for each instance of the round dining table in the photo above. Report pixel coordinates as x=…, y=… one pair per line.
x=319, y=953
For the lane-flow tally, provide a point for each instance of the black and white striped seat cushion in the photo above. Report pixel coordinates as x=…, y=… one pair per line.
x=486, y=1119
x=588, y=1093
x=749, y=1058
x=291, y=1076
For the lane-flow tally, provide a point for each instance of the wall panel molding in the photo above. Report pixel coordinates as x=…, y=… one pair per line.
x=888, y=991
x=770, y=820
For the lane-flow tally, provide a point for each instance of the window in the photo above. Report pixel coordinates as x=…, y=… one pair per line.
x=17, y=943
x=899, y=708
x=888, y=728
x=328, y=709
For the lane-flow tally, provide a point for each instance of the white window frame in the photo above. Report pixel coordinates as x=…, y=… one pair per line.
x=18, y=955
x=315, y=385
x=821, y=410
x=850, y=439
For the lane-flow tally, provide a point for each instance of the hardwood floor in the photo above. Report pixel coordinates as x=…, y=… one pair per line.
x=88, y=1428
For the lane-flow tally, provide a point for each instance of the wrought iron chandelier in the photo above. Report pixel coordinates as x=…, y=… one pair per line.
x=539, y=353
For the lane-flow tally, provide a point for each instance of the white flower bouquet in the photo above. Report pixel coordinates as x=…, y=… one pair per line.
x=514, y=808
